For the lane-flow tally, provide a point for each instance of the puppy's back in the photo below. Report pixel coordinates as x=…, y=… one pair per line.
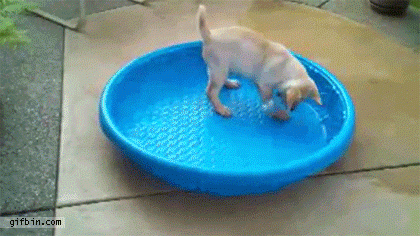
x=238, y=33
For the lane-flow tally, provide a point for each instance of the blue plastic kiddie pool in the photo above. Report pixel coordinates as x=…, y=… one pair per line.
x=156, y=112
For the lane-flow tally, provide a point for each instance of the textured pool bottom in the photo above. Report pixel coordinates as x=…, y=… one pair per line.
x=185, y=129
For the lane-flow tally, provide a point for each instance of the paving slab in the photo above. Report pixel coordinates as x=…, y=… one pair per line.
x=371, y=203
x=30, y=107
x=69, y=9
x=404, y=29
x=386, y=103
x=314, y=3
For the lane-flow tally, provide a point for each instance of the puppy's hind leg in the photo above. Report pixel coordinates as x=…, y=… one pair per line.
x=215, y=84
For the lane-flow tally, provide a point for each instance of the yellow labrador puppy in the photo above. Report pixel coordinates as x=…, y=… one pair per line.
x=269, y=64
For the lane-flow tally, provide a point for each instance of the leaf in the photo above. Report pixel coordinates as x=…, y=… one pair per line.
x=16, y=9
x=9, y=34
x=30, y=5
x=15, y=39
x=6, y=24
x=22, y=35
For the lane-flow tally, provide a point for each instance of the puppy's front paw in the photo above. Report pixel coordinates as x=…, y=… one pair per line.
x=280, y=115
x=232, y=84
x=224, y=111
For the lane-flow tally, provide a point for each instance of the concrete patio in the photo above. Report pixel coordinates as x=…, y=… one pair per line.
x=55, y=161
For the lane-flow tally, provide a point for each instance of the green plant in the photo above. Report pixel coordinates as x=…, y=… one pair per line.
x=9, y=34
x=415, y=3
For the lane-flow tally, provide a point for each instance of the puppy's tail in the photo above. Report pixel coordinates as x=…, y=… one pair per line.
x=202, y=24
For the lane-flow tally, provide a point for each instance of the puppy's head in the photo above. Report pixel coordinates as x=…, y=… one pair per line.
x=298, y=93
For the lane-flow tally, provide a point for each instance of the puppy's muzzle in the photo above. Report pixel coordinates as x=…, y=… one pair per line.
x=294, y=106
x=284, y=100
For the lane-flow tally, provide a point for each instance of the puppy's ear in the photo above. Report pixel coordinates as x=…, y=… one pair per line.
x=293, y=95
